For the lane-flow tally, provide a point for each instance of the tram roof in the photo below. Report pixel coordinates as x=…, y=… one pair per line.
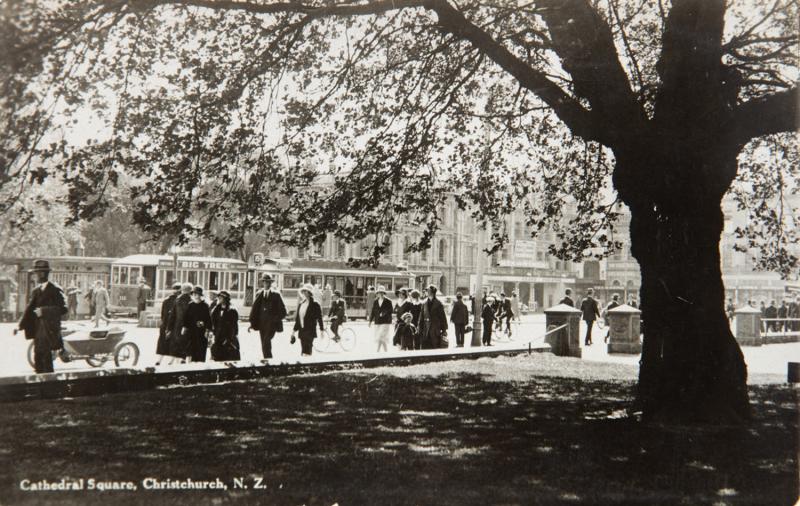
x=54, y=259
x=332, y=266
x=141, y=259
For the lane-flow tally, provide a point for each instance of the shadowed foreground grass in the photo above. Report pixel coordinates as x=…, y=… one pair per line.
x=469, y=432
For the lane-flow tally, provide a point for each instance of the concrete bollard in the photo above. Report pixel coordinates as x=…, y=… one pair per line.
x=748, y=326
x=624, y=325
x=565, y=342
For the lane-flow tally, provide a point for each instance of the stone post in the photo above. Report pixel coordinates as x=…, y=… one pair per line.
x=565, y=342
x=748, y=326
x=624, y=325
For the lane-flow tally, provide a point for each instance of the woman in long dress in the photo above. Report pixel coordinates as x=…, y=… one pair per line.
x=225, y=321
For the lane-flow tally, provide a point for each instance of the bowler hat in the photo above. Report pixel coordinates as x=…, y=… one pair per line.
x=198, y=290
x=224, y=294
x=40, y=265
x=337, y=293
x=176, y=286
x=266, y=277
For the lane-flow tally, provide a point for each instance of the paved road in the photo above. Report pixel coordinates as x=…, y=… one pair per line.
x=769, y=359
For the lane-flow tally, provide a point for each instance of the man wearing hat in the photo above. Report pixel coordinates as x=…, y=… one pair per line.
x=41, y=320
x=488, y=316
x=142, y=296
x=267, y=314
x=433, y=322
x=167, y=306
x=338, y=312
x=381, y=315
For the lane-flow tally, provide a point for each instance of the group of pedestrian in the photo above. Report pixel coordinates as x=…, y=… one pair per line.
x=494, y=311
x=418, y=324
x=590, y=311
x=189, y=324
x=783, y=318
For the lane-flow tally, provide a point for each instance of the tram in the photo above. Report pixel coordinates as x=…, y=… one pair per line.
x=291, y=275
x=66, y=271
x=161, y=271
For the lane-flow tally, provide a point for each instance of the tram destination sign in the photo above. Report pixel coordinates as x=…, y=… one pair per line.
x=207, y=265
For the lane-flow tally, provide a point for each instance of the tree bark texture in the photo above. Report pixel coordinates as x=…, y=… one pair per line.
x=692, y=369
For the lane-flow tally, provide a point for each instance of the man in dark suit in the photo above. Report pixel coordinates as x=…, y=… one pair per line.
x=568, y=298
x=41, y=320
x=338, y=312
x=433, y=322
x=460, y=317
x=267, y=314
x=590, y=313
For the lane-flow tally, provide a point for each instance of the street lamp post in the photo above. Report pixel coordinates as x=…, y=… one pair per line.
x=476, y=303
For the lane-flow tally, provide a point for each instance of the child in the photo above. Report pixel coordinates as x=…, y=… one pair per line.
x=406, y=332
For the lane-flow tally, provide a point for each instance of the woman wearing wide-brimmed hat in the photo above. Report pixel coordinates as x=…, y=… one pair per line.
x=225, y=321
x=309, y=314
x=381, y=316
x=198, y=323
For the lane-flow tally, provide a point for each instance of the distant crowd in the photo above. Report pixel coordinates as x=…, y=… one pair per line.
x=774, y=318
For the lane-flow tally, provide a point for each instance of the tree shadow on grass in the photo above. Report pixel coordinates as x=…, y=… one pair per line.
x=360, y=438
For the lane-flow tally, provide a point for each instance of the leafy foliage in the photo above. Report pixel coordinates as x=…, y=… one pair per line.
x=293, y=120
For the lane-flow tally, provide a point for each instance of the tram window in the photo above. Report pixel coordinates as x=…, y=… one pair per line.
x=115, y=276
x=386, y=282
x=123, y=275
x=235, y=281
x=134, y=275
x=213, y=280
x=292, y=281
x=191, y=277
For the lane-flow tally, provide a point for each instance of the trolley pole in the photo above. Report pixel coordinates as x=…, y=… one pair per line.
x=476, y=303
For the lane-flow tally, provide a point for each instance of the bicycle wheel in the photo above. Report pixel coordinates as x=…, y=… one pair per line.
x=322, y=342
x=347, y=339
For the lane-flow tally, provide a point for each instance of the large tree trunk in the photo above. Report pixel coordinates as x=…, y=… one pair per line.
x=692, y=368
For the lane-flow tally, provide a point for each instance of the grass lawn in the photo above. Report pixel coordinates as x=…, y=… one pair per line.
x=490, y=431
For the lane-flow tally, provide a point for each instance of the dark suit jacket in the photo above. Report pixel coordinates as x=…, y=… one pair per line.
x=45, y=330
x=268, y=312
x=433, y=323
x=589, y=309
x=381, y=313
x=166, y=311
x=568, y=301
x=338, y=309
x=312, y=317
x=487, y=314
x=460, y=313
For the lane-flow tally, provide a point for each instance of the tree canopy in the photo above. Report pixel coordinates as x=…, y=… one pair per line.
x=293, y=119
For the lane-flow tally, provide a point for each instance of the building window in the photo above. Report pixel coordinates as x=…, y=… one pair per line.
x=341, y=249
x=442, y=251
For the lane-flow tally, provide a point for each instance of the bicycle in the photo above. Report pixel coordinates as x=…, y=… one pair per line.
x=346, y=339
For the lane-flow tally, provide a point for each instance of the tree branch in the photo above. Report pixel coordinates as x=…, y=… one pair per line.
x=582, y=122
x=584, y=42
x=775, y=113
